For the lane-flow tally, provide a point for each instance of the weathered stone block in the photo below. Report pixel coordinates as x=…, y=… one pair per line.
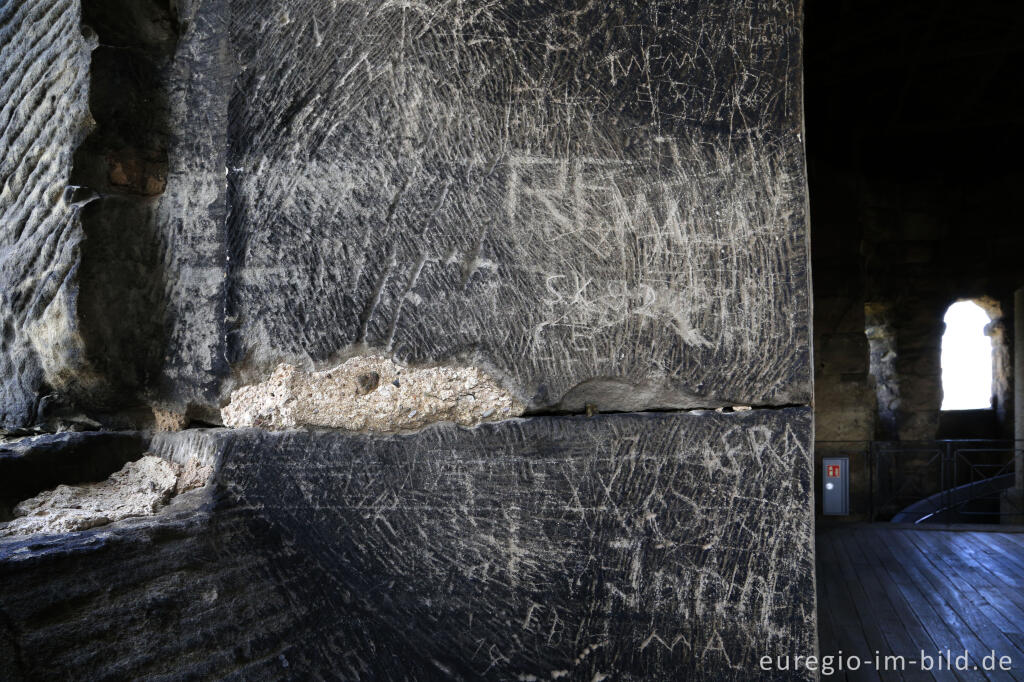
x=181, y=595
x=600, y=206
x=32, y=465
x=644, y=546
x=595, y=206
x=44, y=68
x=648, y=546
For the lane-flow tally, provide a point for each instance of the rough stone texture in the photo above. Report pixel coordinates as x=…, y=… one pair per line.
x=178, y=595
x=370, y=394
x=645, y=547
x=136, y=216
x=598, y=204
x=166, y=420
x=601, y=207
x=190, y=216
x=590, y=545
x=44, y=64
x=33, y=464
x=192, y=474
x=139, y=488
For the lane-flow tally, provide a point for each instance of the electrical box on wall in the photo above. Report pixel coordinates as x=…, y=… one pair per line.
x=835, y=486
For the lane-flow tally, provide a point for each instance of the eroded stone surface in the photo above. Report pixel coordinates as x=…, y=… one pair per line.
x=648, y=547
x=44, y=68
x=33, y=464
x=603, y=205
x=100, y=603
x=370, y=393
x=140, y=488
x=168, y=420
x=642, y=547
x=603, y=202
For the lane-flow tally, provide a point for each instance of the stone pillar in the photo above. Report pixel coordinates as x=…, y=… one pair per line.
x=1018, y=383
x=1013, y=500
x=919, y=328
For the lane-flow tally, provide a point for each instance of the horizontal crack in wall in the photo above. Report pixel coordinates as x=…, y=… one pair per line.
x=593, y=408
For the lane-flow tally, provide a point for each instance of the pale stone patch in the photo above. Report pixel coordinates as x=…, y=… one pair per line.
x=192, y=475
x=370, y=393
x=167, y=420
x=140, y=488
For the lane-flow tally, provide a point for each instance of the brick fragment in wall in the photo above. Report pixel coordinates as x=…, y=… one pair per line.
x=643, y=546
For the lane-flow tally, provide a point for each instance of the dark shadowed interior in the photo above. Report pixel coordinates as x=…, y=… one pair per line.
x=913, y=147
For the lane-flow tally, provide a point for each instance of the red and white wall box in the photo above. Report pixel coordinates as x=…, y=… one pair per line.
x=835, y=486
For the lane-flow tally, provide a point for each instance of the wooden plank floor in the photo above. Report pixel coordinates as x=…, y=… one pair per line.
x=901, y=591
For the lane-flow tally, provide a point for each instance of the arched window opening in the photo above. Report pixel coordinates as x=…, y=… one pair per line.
x=966, y=358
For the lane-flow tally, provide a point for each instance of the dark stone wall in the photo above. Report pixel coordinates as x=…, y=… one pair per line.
x=599, y=206
x=185, y=595
x=549, y=193
x=602, y=206
x=594, y=546
x=642, y=547
x=44, y=87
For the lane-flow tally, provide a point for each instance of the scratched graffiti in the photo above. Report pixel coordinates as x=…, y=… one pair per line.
x=561, y=195
x=691, y=250
x=648, y=546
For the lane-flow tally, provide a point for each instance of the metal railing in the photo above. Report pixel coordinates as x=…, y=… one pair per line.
x=961, y=481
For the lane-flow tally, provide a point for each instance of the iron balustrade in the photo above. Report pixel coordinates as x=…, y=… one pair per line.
x=952, y=480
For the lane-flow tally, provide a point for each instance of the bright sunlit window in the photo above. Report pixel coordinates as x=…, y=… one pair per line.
x=966, y=358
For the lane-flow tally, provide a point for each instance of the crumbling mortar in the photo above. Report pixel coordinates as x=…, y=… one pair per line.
x=591, y=410
x=373, y=394
x=141, y=487
x=370, y=393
